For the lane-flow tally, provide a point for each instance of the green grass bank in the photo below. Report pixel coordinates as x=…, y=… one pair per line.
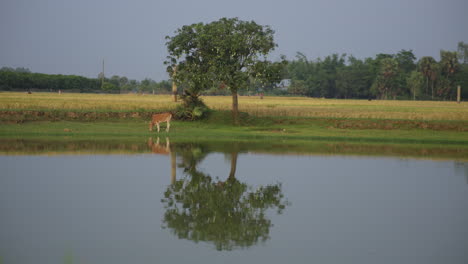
x=96, y=119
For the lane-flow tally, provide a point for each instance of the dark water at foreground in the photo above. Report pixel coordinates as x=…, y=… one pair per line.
x=190, y=203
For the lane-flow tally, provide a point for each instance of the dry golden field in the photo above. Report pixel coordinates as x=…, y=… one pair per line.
x=269, y=106
x=339, y=108
x=83, y=102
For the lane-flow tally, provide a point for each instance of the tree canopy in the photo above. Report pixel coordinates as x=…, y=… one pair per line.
x=227, y=52
x=386, y=76
x=333, y=76
x=23, y=79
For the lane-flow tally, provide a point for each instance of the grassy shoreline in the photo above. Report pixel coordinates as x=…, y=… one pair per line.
x=131, y=136
x=256, y=129
x=47, y=117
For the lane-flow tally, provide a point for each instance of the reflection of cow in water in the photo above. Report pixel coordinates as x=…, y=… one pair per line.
x=157, y=148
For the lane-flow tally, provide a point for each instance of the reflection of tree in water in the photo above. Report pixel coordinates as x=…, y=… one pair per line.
x=229, y=214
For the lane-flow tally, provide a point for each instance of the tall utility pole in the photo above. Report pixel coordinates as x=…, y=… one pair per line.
x=102, y=76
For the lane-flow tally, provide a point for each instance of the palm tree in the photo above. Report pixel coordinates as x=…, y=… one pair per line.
x=427, y=65
x=449, y=62
x=385, y=81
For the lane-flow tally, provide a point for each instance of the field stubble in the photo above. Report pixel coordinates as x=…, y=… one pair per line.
x=338, y=108
x=269, y=106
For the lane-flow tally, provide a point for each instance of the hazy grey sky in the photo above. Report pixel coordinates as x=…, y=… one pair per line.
x=73, y=36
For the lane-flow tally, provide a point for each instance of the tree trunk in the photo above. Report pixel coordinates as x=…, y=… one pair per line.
x=235, y=108
x=173, y=166
x=427, y=85
x=174, y=86
x=232, y=173
x=432, y=89
x=174, y=91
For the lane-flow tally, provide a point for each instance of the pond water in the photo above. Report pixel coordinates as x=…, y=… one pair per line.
x=189, y=203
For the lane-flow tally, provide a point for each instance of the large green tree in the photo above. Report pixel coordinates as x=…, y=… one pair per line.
x=189, y=59
x=449, y=66
x=189, y=67
x=406, y=61
x=415, y=82
x=354, y=80
x=226, y=51
x=449, y=63
x=385, y=83
x=406, y=65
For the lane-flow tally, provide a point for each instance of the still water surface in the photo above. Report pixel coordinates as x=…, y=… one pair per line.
x=201, y=206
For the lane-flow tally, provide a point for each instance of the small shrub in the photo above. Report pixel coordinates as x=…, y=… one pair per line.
x=193, y=108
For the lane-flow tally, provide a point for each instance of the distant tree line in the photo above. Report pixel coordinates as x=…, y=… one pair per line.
x=22, y=79
x=387, y=76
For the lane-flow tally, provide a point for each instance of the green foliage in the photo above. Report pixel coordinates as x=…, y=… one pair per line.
x=18, y=70
x=23, y=80
x=415, y=83
x=226, y=51
x=298, y=87
x=192, y=108
x=235, y=47
x=449, y=67
x=268, y=74
x=448, y=63
x=330, y=77
x=109, y=87
x=387, y=76
x=461, y=78
x=463, y=52
x=228, y=213
x=354, y=80
x=406, y=61
x=428, y=67
x=445, y=88
x=188, y=64
x=385, y=83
